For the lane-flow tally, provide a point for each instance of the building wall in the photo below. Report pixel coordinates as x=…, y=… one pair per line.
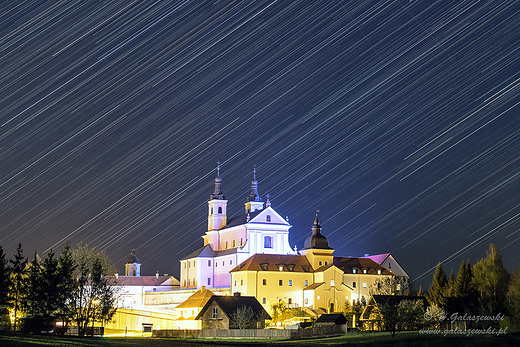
x=220, y=322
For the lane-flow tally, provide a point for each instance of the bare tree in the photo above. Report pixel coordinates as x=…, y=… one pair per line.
x=244, y=318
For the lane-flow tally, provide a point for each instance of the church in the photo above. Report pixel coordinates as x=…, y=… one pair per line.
x=229, y=242
x=251, y=255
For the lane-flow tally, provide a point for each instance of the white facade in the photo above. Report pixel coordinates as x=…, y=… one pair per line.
x=230, y=241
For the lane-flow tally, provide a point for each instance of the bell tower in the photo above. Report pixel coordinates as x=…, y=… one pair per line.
x=217, y=205
x=254, y=201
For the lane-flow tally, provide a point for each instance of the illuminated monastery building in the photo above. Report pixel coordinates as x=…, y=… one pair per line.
x=251, y=255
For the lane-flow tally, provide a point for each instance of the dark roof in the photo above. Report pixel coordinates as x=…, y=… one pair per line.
x=142, y=280
x=316, y=240
x=313, y=286
x=347, y=264
x=229, y=304
x=241, y=219
x=272, y=262
x=336, y=318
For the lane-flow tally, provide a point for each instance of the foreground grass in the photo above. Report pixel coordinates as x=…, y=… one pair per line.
x=352, y=339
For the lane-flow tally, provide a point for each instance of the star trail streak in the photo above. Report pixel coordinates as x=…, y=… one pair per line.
x=398, y=120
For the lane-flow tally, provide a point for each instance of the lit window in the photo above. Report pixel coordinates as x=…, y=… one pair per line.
x=306, y=283
x=290, y=283
x=364, y=271
x=214, y=313
x=264, y=301
x=379, y=271
x=264, y=282
x=398, y=286
x=364, y=284
x=332, y=283
x=280, y=267
x=268, y=242
x=280, y=282
x=318, y=297
x=268, y=218
x=354, y=271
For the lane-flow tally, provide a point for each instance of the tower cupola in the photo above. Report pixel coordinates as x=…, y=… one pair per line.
x=217, y=205
x=254, y=201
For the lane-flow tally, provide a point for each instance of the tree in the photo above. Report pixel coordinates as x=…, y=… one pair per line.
x=406, y=315
x=244, y=318
x=390, y=285
x=435, y=315
x=34, y=297
x=513, y=298
x=50, y=282
x=66, y=284
x=462, y=290
x=353, y=312
x=95, y=292
x=18, y=283
x=491, y=280
x=436, y=293
x=4, y=279
x=451, y=285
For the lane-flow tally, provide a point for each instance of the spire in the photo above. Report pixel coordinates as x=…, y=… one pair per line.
x=254, y=188
x=316, y=240
x=268, y=202
x=217, y=193
x=316, y=228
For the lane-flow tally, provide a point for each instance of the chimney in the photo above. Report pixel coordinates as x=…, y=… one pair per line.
x=203, y=289
x=157, y=274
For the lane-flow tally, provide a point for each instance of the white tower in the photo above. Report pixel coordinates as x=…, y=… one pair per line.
x=132, y=266
x=217, y=205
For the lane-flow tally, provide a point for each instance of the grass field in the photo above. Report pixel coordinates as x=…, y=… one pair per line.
x=352, y=339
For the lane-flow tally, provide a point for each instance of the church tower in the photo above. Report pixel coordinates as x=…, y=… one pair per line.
x=316, y=247
x=254, y=201
x=217, y=205
x=132, y=266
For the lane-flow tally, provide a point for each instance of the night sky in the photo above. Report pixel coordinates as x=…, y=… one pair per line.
x=398, y=120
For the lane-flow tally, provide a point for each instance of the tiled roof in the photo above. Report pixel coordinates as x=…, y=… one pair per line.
x=198, y=299
x=313, y=286
x=142, y=280
x=379, y=258
x=272, y=262
x=230, y=304
x=347, y=264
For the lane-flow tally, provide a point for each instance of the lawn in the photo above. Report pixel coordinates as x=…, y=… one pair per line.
x=351, y=339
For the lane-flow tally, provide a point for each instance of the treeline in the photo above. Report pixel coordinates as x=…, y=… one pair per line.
x=52, y=293
x=485, y=290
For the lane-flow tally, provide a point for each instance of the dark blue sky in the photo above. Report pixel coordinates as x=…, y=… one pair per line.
x=398, y=120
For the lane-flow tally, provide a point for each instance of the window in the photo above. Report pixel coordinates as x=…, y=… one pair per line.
x=364, y=284
x=354, y=271
x=226, y=245
x=212, y=210
x=264, y=282
x=280, y=267
x=332, y=283
x=290, y=283
x=219, y=209
x=214, y=312
x=318, y=297
x=234, y=243
x=264, y=301
x=216, y=264
x=326, y=263
x=290, y=301
x=398, y=286
x=379, y=271
x=280, y=282
x=364, y=271
x=184, y=264
x=209, y=262
x=188, y=265
x=353, y=284
x=231, y=262
x=223, y=264
x=268, y=218
x=184, y=283
x=320, y=262
x=240, y=241
x=268, y=242
x=241, y=282
x=306, y=301
x=389, y=266
x=306, y=283
x=264, y=266
x=235, y=282
x=209, y=281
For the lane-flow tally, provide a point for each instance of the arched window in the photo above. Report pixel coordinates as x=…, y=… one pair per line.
x=212, y=210
x=268, y=218
x=220, y=209
x=268, y=242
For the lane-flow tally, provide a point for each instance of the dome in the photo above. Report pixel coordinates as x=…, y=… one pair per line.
x=316, y=240
x=133, y=258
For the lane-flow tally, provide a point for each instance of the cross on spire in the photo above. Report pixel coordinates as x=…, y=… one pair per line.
x=218, y=168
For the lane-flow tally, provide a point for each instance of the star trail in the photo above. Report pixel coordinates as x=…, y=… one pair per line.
x=398, y=120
